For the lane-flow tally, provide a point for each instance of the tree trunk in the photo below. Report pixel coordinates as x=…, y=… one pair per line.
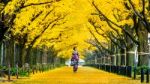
x=122, y=52
x=130, y=56
x=2, y=53
x=34, y=56
x=113, y=60
x=22, y=53
x=114, y=51
x=10, y=52
x=143, y=44
x=118, y=57
x=27, y=56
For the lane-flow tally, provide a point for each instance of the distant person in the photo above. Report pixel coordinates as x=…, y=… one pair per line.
x=75, y=59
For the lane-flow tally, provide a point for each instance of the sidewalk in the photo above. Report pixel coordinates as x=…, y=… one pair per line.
x=85, y=75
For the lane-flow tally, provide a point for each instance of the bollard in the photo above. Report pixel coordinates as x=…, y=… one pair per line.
x=113, y=69
x=17, y=71
x=28, y=70
x=147, y=76
x=126, y=71
x=142, y=75
x=42, y=68
x=36, y=69
x=134, y=72
x=33, y=70
x=105, y=67
x=118, y=69
x=121, y=70
x=109, y=68
x=39, y=69
x=129, y=71
x=8, y=72
x=99, y=66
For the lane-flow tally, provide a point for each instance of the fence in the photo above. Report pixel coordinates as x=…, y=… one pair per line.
x=19, y=71
x=122, y=70
x=125, y=71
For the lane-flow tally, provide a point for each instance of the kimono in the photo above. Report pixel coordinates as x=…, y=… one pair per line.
x=75, y=58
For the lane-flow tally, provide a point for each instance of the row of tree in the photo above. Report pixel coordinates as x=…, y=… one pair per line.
x=22, y=44
x=126, y=43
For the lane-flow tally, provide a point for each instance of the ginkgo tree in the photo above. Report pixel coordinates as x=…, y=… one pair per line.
x=39, y=26
x=128, y=18
x=21, y=31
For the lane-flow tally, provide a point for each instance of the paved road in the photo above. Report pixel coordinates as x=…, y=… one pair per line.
x=85, y=75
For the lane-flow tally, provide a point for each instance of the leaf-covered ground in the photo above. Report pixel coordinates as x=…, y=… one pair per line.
x=85, y=75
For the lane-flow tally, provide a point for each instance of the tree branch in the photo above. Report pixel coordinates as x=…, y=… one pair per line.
x=133, y=8
x=36, y=4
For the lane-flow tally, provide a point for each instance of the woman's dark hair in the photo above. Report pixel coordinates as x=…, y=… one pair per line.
x=74, y=48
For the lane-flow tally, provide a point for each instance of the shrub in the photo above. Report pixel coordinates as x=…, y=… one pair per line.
x=23, y=73
x=13, y=71
x=138, y=69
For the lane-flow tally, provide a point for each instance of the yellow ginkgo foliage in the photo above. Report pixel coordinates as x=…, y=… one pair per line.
x=65, y=23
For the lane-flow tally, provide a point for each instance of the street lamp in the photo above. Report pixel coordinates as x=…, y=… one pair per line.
x=135, y=60
x=136, y=56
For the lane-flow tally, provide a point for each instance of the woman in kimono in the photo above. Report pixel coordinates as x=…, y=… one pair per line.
x=75, y=59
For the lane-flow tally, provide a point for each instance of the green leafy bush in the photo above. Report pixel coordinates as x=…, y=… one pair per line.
x=23, y=73
x=3, y=68
x=20, y=72
x=13, y=71
x=138, y=69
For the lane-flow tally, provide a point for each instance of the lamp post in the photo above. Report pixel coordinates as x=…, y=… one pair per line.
x=136, y=56
x=135, y=60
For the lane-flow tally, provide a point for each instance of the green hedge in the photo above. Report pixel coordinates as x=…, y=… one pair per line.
x=138, y=69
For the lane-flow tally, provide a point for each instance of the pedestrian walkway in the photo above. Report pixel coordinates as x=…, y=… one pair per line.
x=85, y=75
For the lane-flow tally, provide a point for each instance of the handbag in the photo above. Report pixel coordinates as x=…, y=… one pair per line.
x=72, y=62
